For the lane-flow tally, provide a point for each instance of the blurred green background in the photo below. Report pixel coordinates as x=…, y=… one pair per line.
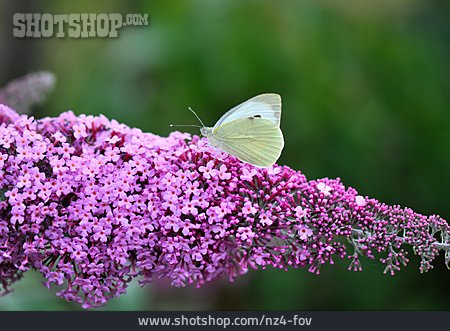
x=365, y=88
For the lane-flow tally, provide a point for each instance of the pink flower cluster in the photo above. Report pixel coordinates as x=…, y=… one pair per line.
x=92, y=204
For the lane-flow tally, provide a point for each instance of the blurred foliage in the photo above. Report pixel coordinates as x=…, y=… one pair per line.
x=365, y=97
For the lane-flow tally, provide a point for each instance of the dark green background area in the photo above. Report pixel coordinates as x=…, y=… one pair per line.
x=365, y=88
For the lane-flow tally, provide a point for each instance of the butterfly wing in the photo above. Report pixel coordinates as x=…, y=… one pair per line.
x=267, y=106
x=257, y=141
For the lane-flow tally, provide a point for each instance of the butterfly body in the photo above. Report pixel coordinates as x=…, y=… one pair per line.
x=250, y=131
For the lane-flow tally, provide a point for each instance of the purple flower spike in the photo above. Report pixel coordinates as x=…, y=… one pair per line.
x=92, y=204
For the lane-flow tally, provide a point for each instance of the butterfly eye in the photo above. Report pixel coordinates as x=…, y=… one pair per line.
x=256, y=116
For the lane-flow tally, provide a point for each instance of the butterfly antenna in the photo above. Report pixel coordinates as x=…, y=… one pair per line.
x=175, y=125
x=196, y=116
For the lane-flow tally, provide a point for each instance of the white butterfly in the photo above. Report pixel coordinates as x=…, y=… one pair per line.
x=250, y=131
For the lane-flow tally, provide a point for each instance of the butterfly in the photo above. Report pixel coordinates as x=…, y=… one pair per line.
x=250, y=131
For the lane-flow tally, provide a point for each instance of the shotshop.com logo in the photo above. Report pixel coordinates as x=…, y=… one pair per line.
x=35, y=25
